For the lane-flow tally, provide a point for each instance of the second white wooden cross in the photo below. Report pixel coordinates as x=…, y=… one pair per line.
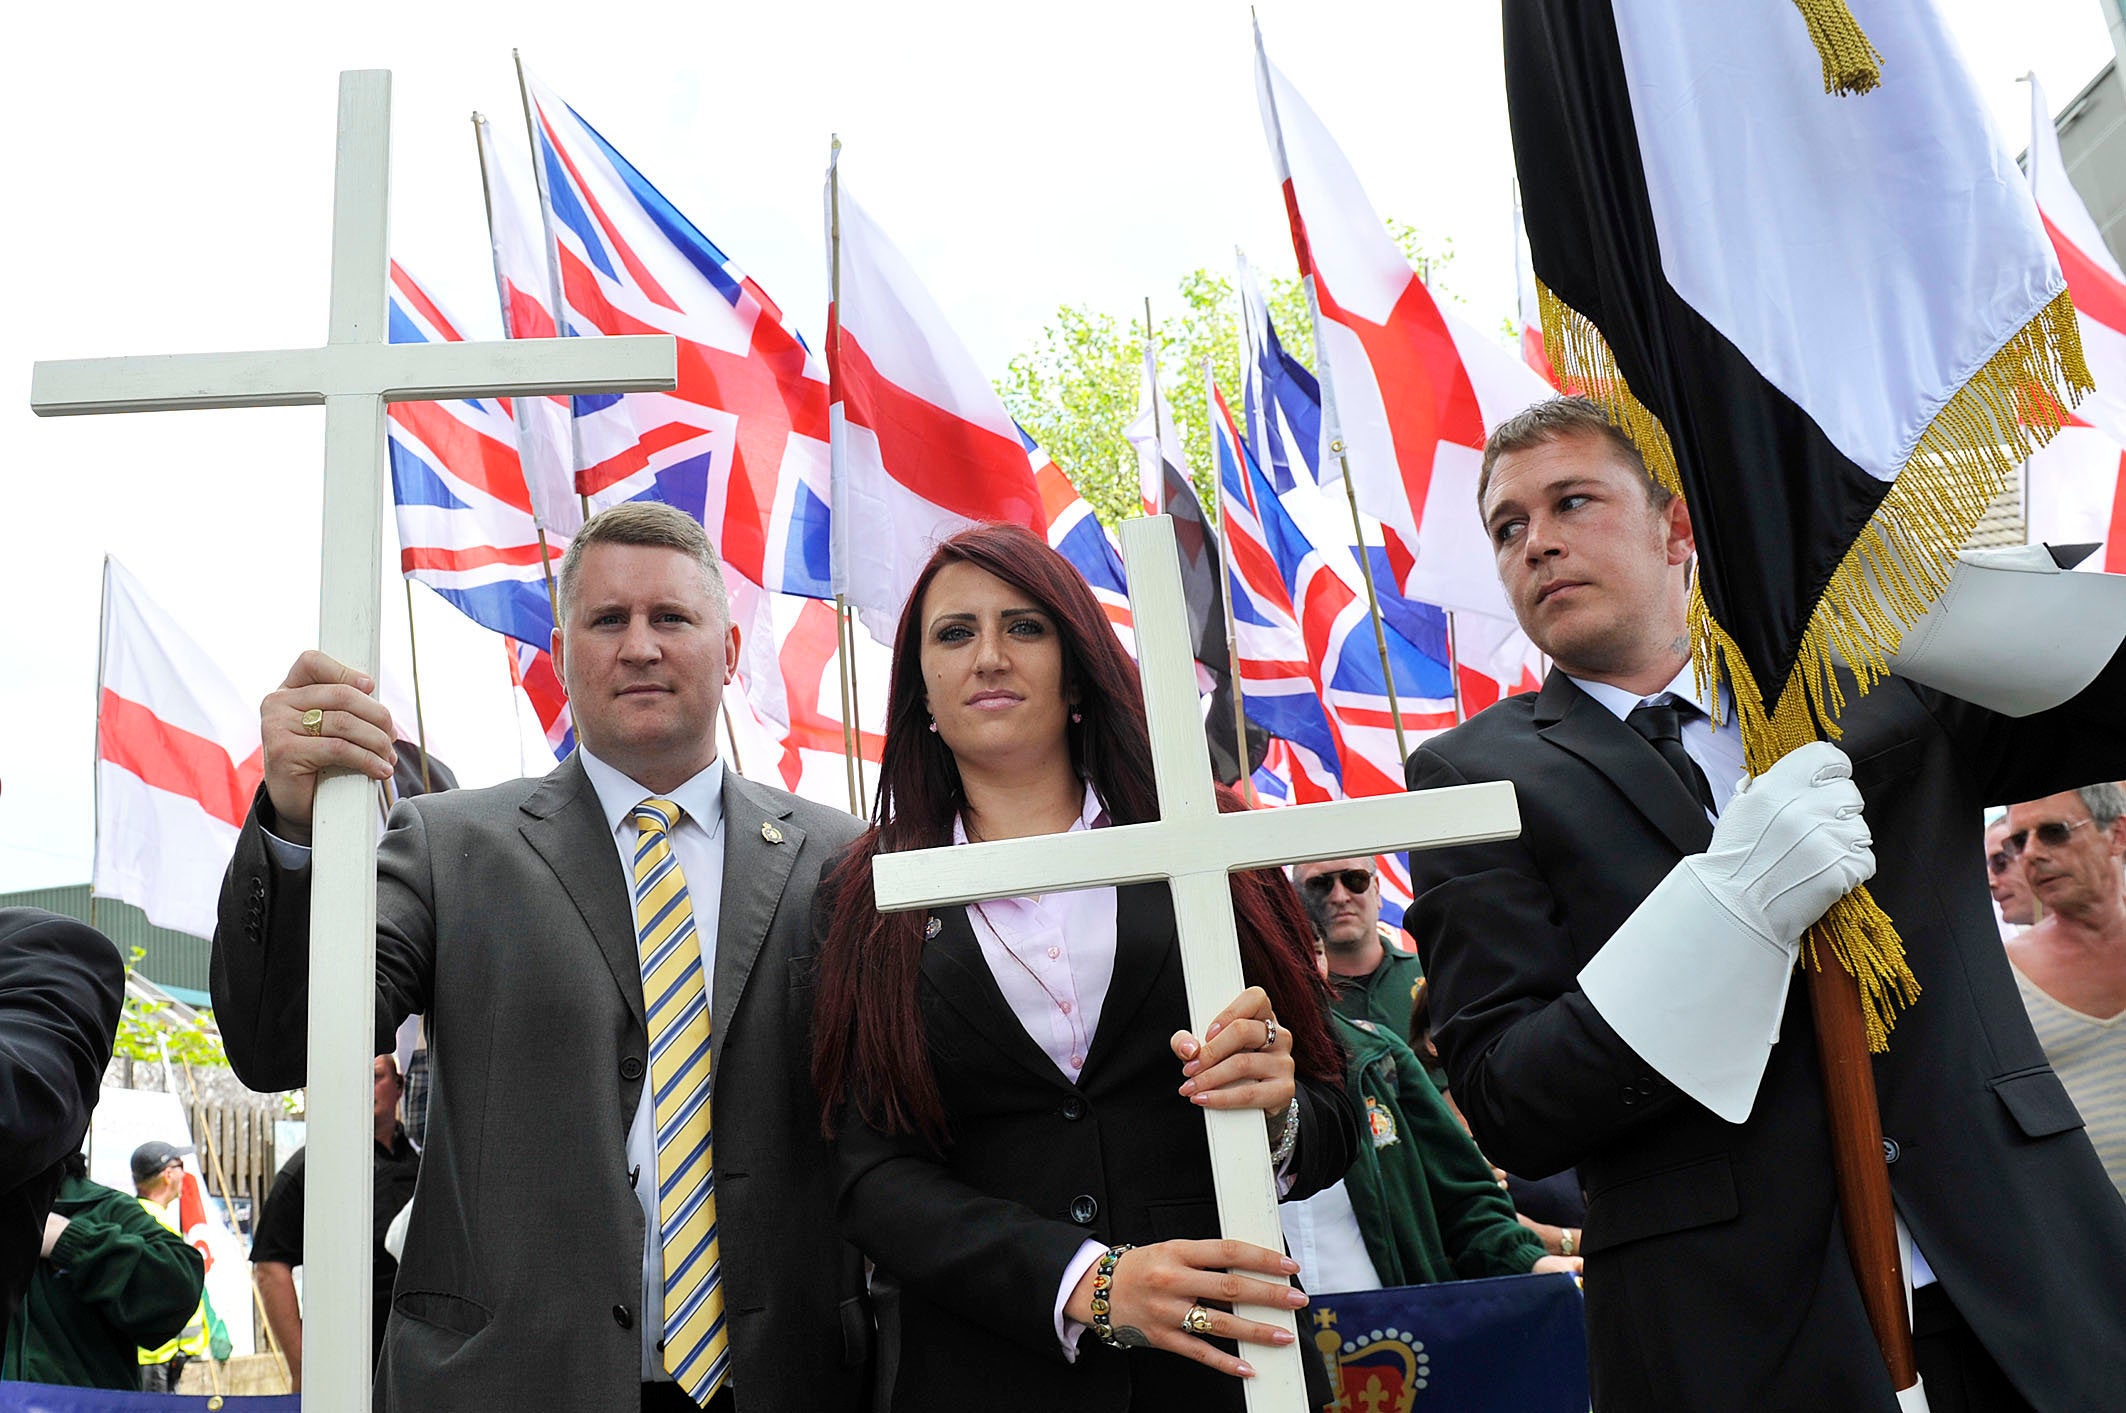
x=354, y=375
x=1194, y=847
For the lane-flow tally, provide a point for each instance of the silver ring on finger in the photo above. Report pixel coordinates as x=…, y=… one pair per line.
x=1269, y=1041
x=1197, y=1321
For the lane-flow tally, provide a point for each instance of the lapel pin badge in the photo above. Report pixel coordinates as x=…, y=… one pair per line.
x=933, y=927
x=770, y=833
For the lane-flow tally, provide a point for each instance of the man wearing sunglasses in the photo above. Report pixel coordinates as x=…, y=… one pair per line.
x=1375, y=982
x=2071, y=966
x=2005, y=881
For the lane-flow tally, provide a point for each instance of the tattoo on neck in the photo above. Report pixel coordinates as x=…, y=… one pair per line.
x=1681, y=644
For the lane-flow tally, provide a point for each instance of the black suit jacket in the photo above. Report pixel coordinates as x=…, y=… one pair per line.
x=61, y=983
x=971, y=1245
x=1717, y=1276
x=503, y=916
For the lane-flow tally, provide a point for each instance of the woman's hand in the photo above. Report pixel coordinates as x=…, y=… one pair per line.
x=1154, y=1287
x=1243, y=1061
x=1571, y=1265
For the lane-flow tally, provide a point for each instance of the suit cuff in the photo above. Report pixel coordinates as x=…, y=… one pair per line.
x=1068, y=1331
x=292, y=857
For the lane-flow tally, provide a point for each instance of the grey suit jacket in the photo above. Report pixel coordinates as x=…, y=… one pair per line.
x=502, y=915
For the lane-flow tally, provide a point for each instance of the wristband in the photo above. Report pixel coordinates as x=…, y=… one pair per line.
x=1103, y=1281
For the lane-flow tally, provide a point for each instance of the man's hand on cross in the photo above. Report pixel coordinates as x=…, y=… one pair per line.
x=354, y=732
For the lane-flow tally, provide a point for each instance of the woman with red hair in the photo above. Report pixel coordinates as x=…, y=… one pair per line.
x=1011, y=1086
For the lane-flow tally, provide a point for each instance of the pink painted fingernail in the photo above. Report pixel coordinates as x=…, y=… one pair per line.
x=1212, y=1033
x=1295, y=1298
x=1192, y=1066
x=1281, y=1336
x=1247, y=1370
x=1291, y=1267
x=1189, y=1087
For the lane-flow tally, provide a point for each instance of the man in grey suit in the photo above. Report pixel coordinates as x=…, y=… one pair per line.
x=574, y=1244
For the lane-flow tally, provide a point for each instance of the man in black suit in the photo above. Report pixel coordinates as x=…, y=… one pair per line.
x=61, y=982
x=1615, y=989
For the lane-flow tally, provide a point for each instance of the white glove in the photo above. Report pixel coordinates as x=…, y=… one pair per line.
x=2014, y=632
x=1790, y=843
x=1696, y=979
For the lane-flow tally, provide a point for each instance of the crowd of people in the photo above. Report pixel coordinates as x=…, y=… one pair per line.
x=953, y=1159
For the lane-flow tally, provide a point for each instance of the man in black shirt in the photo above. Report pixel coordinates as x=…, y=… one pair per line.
x=277, y=1243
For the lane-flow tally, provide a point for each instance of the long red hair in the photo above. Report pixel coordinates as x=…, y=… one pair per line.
x=868, y=1040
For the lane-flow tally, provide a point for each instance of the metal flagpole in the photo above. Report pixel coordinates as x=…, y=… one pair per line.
x=420, y=726
x=1151, y=359
x=553, y=262
x=1246, y=777
x=844, y=626
x=1454, y=672
x=103, y=650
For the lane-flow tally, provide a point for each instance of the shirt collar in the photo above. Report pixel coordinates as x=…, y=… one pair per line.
x=1619, y=703
x=700, y=797
x=1091, y=815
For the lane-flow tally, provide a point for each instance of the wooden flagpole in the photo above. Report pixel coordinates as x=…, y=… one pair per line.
x=1454, y=671
x=844, y=625
x=1151, y=357
x=487, y=200
x=1365, y=567
x=103, y=652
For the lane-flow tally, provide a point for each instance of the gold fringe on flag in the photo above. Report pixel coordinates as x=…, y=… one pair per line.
x=1851, y=63
x=1894, y=570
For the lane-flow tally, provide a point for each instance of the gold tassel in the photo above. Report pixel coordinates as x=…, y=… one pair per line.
x=1851, y=63
x=1893, y=571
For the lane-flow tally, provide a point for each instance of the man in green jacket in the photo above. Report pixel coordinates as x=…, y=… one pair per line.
x=112, y=1281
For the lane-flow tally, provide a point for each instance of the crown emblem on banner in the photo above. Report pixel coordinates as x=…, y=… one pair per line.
x=1380, y=1371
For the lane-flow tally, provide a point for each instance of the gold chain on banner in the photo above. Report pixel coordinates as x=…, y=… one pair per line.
x=1895, y=568
x=1851, y=63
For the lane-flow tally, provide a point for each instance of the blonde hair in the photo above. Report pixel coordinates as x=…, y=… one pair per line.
x=651, y=523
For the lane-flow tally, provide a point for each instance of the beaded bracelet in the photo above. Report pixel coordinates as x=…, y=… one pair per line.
x=1103, y=1280
x=1289, y=1139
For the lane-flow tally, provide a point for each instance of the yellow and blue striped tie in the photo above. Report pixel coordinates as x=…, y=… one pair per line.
x=697, y=1343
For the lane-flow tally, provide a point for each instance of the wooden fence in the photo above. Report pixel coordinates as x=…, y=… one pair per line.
x=235, y=1142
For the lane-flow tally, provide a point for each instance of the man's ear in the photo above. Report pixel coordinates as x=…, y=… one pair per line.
x=560, y=672
x=1682, y=538
x=730, y=655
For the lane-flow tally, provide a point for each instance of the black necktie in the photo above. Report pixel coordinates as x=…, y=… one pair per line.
x=1662, y=725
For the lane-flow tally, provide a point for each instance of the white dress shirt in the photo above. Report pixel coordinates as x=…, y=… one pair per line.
x=697, y=842
x=1324, y=1237
x=1719, y=755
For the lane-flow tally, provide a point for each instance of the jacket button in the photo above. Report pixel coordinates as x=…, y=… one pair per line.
x=1629, y=1095
x=631, y=1068
x=1074, y=1108
x=258, y=887
x=1890, y=1150
x=1083, y=1209
x=623, y=1317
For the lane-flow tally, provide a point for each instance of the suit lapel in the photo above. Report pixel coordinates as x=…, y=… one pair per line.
x=755, y=870
x=1568, y=718
x=567, y=828
x=1145, y=936
x=953, y=963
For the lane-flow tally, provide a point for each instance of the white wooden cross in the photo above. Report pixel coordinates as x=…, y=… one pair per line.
x=1194, y=847
x=354, y=375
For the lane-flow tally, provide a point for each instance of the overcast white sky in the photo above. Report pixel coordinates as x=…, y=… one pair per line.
x=173, y=193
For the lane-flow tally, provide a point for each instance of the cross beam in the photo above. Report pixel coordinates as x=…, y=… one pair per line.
x=354, y=375
x=1194, y=848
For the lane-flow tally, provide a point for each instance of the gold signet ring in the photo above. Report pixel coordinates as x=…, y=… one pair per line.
x=314, y=721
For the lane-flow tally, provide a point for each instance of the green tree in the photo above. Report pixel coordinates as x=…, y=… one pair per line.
x=1076, y=389
x=149, y=1031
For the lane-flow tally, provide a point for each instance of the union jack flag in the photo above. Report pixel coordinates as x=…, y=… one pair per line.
x=1076, y=534
x=742, y=442
x=465, y=515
